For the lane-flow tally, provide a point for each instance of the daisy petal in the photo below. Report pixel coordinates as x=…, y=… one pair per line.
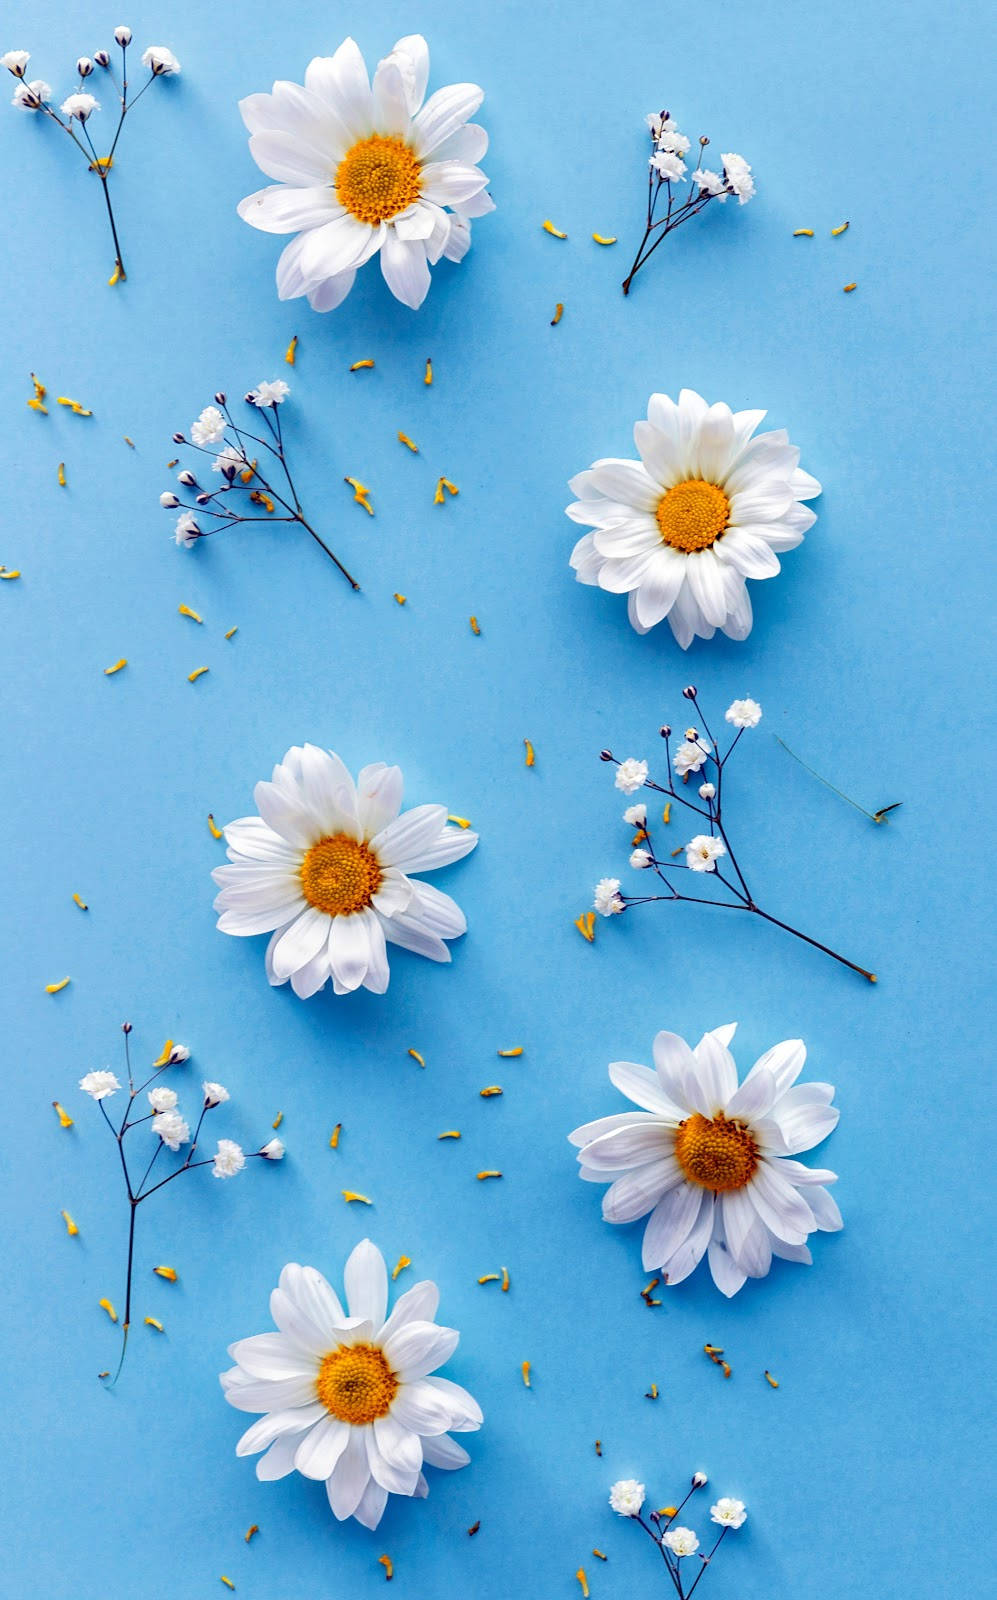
x=350, y=1477
x=444, y=112
x=321, y=1448
x=637, y=1193
x=405, y=269
x=671, y=1222
x=422, y=1408
x=444, y=1452
x=370, y=1509
x=366, y=1281
x=418, y=1348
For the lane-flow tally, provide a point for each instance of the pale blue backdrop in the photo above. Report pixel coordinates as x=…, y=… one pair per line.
x=867, y=656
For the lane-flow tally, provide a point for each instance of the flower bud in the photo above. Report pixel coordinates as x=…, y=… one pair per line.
x=698, y=1480
x=219, y=398
x=187, y=477
x=102, y=58
x=168, y=500
x=178, y=438
x=123, y=36
x=692, y=734
x=707, y=791
x=605, y=755
x=689, y=693
x=664, y=730
x=273, y=1150
x=203, y=499
x=84, y=66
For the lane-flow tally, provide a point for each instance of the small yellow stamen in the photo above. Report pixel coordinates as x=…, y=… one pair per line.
x=451, y=1133
x=129, y=442
x=258, y=498
x=62, y=474
x=356, y=1384
x=334, y=1136
x=580, y=1575
x=378, y=177
x=164, y=1054
x=462, y=822
x=516, y=1050
x=841, y=228
x=525, y=1369
x=291, y=351
x=400, y=1265
x=153, y=1322
x=531, y=758
x=215, y=830
x=110, y=671
x=227, y=1582
x=361, y=366
x=427, y=377
x=9, y=575
x=349, y=1195
x=769, y=1379
x=489, y=1277
x=692, y=515
x=185, y=611
x=37, y=403
x=401, y=598
x=489, y=1173
x=666, y=815
x=250, y=1531
x=849, y=287
x=65, y=1120
x=652, y=1393
x=602, y=238
x=555, y=233
x=198, y=672
x=417, y=1057
x=388, y=1565
x=232, y=631
x=56, y=988
x=803, y=233
x=105, y=1305
x=558, y=314
x=278, y=1119
x=599, y=1555
x=71, y=1227
x=74, y=406
x=361, y=494
x=169, y=1273
x=410, y=444
x=490, y=1090
x=439, y=497
x=79, y=901
x=475, y=626
x=586, y=926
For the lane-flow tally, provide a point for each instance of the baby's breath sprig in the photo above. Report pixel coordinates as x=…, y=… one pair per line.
x=172, y=1131
x=678, y=1546
x=74, y=114
x=667, y=170
x=699, y=754
x=217, y=435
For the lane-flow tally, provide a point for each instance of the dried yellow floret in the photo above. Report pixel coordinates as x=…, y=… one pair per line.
x=226, y=1581
x=37, y=402
x=71, y=1227
x=841, y=228
x=16, y=573
x=558, y=314
x=198, y=672
x=525, y=1369
x=215, y=830
x=110, y=671
x=404, y=439
x=427, y=377
x=555, y=233
x=490, y=1090
x=62, y=474
x=74, y=406
x=450, y=1133
x=388, y=1565
x=349, y=1195
x=515, y=1050
x=56, y=988
x=278, y=1119
x=475, y=625
x=769, y=1379
x=359, y=366
x=79, y=901
x=401, y=598
x=185, y=611
x=586, y=926
x=106, y=1305
x=489, y=1172
x=417, y=1057
x=232, y=631
x=291, y=351
x=169, y=1273
x=153, y=1322
x=334, y=1136
x=803, y=233
x=489, y=1277
x=65, y=1120
x=531, y=758
x=462, y=822
x=400, y=1265
x=849, y=287
x=250, y=1531
x=361, y=494
x=604, y=238
x=580, y=1575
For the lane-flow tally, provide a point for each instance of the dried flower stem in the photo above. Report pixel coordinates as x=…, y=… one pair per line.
x=656, y=1526
x=880, y=816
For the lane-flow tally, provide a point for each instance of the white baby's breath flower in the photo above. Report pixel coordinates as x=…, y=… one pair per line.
x=99, y=1084
x=162, y=1099
x=273, y=1150
x=744, y=713
x=179, y=1053
x=122, y=35
x=671, y=140
x=636, y=816
x=626, y=1497
x=188, y=530
x=160, y=61
x=168, y=500
x=707, y=791
x=228, y=1159
x=215, y=1094
x=729, y=1513
x=681, y=1541
x=607, y=897
x=699, y=1480
x=32, y=96
x=690, y=756
x=209, y=428
x=84, y=66
x=269, y=393
x=171, y=1128
x=80, y=106
x=631, y=775
x=738, y=175
x=710, y=182
x=668, y=166
x=228, y=461
x=703, y=853
x=15, y=61
x=640, y=859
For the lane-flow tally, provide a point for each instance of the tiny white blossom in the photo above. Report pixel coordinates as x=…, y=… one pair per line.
x=689, y=757
x=160, y=61
x=712, y=182
x=631, y=775
x=273, y=1150
x=99, y=1084
x=681, y=1541
x=15, y=61
x=187, y=530
x=171, y=1128
x=635, y=815
x=670, y=139
x=626, y=1497
x=228, y=1159
x=178, y=1053
x=703, y=852
x=168, y=500
x=738, y=175
x=699, y=1479
x=269, y=394
x=607, y=897
x=729, y=1513
x=640, y=858
x=744, y=713
x=79, y=106
x=122, y=35
x=707, y=791
x=162, y=1099
x=209, y=427
x=228, y=461
x=215, y=1094
x=32, y=96
x=667, y=165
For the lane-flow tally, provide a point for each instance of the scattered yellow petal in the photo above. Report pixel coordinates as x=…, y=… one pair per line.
x=62, y=474
x=400, y=1265
x=769, y=1378
x=9, y=575
x=475, y=626
x=803, y=233
x=185, y=611
x=258, y=498
x=74, y=406
x=250, y=1531
x=558, y=314
x=174, y=463
x=400, y=598
x=79, y=901
x=525, y=1370
x=65, y=1120
x=462, y=822
x=215, y=830
x=531, y=759
x=516, y=1050
x=101, y=164
x=359, y=366
x=227, y=1582
x=164, y=1054
x=491, y=1089
x=129, y=442
x=668, y=1511
x=849, y=287
x=349, y=1195
x=555, y=233
x=604, y=238
x=110, y=671
x=489, y=1277
x=488, y=1173
x=666, y=815
x=388, y=1565
x=198, y=672
x=361, y=493
x=232, y=632
x=71, y=1227
x=169, y=1273
x=600, y=1555
x=334, y=1136
x=417, y=1057
x=37, y=403
x=580, y=1575
x=428, y=374
x=117, y=276
x=505, y=1280
x=278, y=1119
x=404, y=439
x=153, y=1322
x=841, y=228
x=450, y=1133
x=105, y=1305
x=245, y=475
x=586, y=926
x=439, y=497
x=56, y=988
x=291, y=351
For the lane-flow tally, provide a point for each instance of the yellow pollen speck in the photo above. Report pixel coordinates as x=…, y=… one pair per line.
x=400, y=1265
x=215, y=830
x=349, y=1195
x=79, y=901
x=129, y=442
x=462, y=822
x=599, y=1554
x=769, y=1379
x=488, y=1173
x=56, y=988
x=803, y=233
x=110, y=671
x=601, y=238
x=849, y=287
x=586, y=926
x=451, y=1133
x=65, y=1120
x=9, y=575
x=153, y=1322
x=334, y=1136
x=362, y=366
x=692, y=515
x=74, y=406
x=475, y=626
x=198, y=672
x=291, y=351
x=525, y=1370
x=169, y=1273
x=558, y=314
x=555, y=233
x=491, y=1090
x=226, y=1581
x=580, y=1575
x=417, y=1057
x=71, y=1227
x=427, y=377
x=666, y=815
x=361, y=494
x=720, y=1154
x=388, y=1565
x=339, y=875
x=105, y=1305
x=531, y=759
x=62, y=474
x=841, y=228
x=278, y=1119
x=404, y=439
x=378, y=177
x=489, y=1277
x=400, y=598
x=356, y=1384
x=516, y=1050
x=250, y=1531
x=232, y=631
x=185, y=611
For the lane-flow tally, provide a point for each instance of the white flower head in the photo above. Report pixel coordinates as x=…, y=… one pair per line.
x=639, y=859
x=122, y=35
x=84, y=66
x=626, y=1497
x=659, y=122
x=160, y=61
x=271, y=393
x=738, y=175
x=709, y=182
x=229, y=461
x=362, y=1412
x=168, y=500
x=729, y=1513
x=681, y=1541
x=703, y=852
x=631, y=775
x=32, y=96
x=608, y=901
x=671, y=140
x=171, y=1128
x=711, y=1163
x=178, y=1054
x=636, y=816
x=273, y=1150
x=228, y=1159
x=744, y=713
x=99, y=1084
x=709, y=504
x=668, y=166
x=699, y=1480
x=691, y=755
x=15, y=61
x=80, y=106
x=215, y=1094
x=405, y=179
x=327, y=869
x=188, y=530
x=162, y=1099
x=209, y=427
x=707, y=791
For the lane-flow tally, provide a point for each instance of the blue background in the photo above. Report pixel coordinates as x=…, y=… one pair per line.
x=867, y=655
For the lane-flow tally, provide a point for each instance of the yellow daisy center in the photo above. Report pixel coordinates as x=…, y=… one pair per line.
x=356, y=1384
x=377, y=178
x=692, y=515
x=339, y=875
x=718, y=1154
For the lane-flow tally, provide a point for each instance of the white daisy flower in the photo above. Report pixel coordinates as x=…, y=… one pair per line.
x=712, y=1162
x=607, y=897
x=162, y=1099
x=99, y=1084
x=703, y=853
x=348, y=1398
x=744, y=714
x=681, y=1541
x=209, y=427
x=631, y=775
x=729, y=1513
x=272, y=392
x=171, y=1128
x=79, y=106
x=364, y=168
x=626, y=1497
x=228, y=1159
x=160, y=61
x=706, y=507
x=32, y=96
x=325, y=868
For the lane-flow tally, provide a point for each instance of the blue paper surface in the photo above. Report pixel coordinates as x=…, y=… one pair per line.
x=867, y=656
